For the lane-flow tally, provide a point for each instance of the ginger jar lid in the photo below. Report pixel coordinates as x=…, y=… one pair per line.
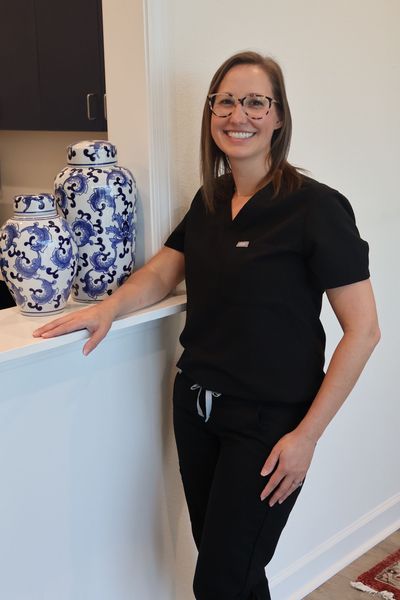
x=35, y=204
x=92, y=152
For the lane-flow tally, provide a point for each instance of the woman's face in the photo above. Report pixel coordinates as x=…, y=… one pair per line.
x=228, y=132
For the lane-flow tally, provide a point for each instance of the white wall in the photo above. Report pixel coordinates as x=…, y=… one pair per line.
x=341, y=62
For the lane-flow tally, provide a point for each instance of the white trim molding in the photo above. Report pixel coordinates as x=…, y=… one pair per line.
x=157, y=71
x=323, y=562
x=137, y=79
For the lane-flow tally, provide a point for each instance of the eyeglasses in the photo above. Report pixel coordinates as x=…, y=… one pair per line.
x=256, y=106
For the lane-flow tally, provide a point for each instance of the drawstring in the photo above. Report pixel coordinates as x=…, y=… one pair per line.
x=208, y=396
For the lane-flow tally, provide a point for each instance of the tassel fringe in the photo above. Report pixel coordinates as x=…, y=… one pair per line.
x=365, y=588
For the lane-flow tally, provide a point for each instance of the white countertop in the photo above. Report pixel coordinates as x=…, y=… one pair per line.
x=16, y=340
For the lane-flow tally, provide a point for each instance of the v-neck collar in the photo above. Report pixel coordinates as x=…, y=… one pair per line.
x=246, y=208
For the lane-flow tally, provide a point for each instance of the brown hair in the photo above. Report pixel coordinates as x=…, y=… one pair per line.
x=214, y=164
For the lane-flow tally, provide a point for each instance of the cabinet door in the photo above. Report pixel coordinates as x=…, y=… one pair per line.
x=19, y=84
x=71, y=64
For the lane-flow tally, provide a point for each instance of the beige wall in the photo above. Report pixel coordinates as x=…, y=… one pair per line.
x=341, y=62
x=335, y=56
x=29, y=161
x=127, y=101
x=342, y=71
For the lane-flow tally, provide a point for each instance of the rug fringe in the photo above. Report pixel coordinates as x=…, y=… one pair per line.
x=365, y=588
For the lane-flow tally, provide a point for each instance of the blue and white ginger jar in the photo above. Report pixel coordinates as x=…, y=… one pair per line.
x=38, y=255
x=98, y=199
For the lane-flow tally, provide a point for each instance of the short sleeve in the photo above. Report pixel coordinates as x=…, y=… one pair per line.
x=176, y=239
x=336, y=254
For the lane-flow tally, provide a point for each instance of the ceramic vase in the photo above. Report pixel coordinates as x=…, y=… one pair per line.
x=38, y=255
x=98, y=199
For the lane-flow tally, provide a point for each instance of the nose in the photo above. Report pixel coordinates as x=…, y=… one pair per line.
x=238, y=115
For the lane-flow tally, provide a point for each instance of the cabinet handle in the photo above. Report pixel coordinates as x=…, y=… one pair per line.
x=89, y=107
x=105, y=106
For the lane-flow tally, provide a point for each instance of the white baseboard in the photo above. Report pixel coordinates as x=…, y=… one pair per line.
x=330, y=557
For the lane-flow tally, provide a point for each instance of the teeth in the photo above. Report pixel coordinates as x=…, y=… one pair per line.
x=240, y=134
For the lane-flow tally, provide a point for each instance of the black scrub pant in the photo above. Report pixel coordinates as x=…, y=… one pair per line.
x=220, y=462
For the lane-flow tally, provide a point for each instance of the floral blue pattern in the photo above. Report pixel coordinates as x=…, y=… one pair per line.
x=83, y=231
x=76, y=183
x=98, y=199
x=93, y=287
x=22, y=204
x=101, y=199
x=40, y=237
x=27, y=267
x=10, y=232
x=102, y=261
x=38, y=255
x=63, y=255
x=95, y=151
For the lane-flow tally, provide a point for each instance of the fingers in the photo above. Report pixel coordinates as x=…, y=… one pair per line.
x=94, y=341
x=271, y=461
x=295, y=485
x=274, y=481
x=95, y=321
x=288, y=484
x=292, y=457
x=286, y=477
x=58, y=327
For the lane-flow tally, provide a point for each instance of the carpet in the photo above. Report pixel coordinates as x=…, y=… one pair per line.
x=383, y=579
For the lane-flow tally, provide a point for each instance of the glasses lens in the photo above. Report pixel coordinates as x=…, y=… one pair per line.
x=222, y=104
x=256, y=106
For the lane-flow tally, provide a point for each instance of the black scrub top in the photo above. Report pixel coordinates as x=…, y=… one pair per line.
x=255, y=286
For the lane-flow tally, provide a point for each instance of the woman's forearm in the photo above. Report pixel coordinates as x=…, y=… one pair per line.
x=141, y=289
x=149, y=284
x=291, y=456
x=345, y=367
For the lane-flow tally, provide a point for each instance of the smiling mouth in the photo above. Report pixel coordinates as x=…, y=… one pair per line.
x=240, y=135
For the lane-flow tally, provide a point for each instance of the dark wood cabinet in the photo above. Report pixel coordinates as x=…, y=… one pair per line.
x=52, y=65
x=19, y=80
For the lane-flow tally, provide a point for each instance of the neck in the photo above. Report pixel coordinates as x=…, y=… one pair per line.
x=248, y=178
x=248, y=186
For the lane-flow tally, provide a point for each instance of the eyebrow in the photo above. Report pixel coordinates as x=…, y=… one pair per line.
x=247, y=94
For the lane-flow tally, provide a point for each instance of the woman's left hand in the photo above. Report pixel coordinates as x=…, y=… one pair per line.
x=292, y=455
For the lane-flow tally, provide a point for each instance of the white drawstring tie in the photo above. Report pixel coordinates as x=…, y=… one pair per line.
x=209, y=394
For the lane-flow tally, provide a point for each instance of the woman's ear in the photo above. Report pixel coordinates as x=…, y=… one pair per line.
x=278, y=124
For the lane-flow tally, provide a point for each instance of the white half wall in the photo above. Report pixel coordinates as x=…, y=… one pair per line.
x=90, y=504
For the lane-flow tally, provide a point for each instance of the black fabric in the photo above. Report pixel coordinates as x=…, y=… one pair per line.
x=6, y=299
x=236, y=533
x=252, y=324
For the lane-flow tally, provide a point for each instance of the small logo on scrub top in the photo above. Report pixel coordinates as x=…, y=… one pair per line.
x=242, y=244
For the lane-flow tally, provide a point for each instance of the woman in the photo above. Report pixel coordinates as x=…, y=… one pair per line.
x=258, y=247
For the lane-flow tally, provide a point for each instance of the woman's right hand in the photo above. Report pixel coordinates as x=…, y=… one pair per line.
x=146, y=286
x=96, y=319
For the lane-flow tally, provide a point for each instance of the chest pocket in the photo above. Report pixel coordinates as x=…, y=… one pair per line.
x=257, y=272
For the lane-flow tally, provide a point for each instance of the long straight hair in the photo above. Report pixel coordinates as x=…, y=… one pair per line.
x=214, y=164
